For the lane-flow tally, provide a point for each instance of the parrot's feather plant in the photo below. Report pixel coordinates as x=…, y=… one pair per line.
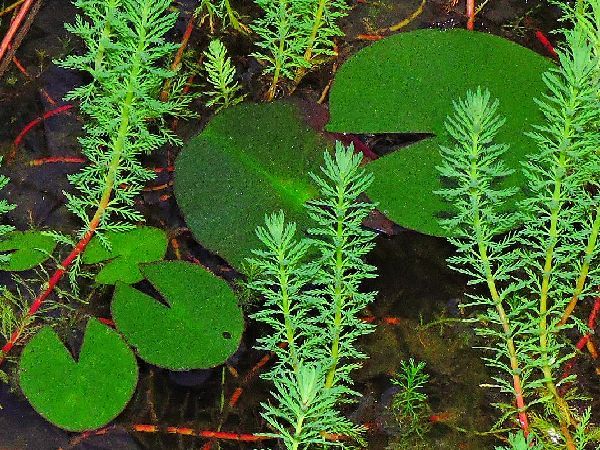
x=125, y=41
x=125, y=49
x=312, y=305
x=535, y=260
x=295, y=35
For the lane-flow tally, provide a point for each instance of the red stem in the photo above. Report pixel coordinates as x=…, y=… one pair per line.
x=35, y=306
x=34, y=122
x=546, y=43
x=585, y=338
x=470, y=15
x=14, y=27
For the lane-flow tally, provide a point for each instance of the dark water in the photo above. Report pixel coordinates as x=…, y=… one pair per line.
x=414, y=284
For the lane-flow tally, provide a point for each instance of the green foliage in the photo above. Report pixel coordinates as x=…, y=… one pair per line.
x=518, y=441
x=409, y=404
x=249, y=159
x=295, y=34
x=83, y=393
x=537, y=260
x=5, y=207
x=197, y=323
x=28, y=250
x=125, y=44
x=406, y=84
x=221, y=73
x=313, y=306
x=126, y=251
x=220, y=10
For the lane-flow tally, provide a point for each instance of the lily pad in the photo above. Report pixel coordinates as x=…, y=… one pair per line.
x=407, y=83
x=28, y=249
x=199, y=325
x=250, y=160
x=128, y=250
x=82, y=394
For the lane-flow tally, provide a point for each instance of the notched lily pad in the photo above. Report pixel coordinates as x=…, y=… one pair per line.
x=199, y=326
x=250, y=160
x=78, y=395
x=128, y=250
x=407, y=83
x=27, y=249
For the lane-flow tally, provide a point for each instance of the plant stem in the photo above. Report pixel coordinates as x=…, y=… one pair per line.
x=271, y=92
x=338, y=300
x=290, y=332
x=565, y=419
x=311, y=41
x=491, y=283
x=118, y=147
x=585, y=267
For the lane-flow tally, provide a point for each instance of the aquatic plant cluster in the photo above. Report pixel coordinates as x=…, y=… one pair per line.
x=524, y=223
x=538, y=260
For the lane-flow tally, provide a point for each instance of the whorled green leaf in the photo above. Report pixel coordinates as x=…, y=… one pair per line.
x=128, y=250
x=250, y=160
x=27, y=249
x=83, y=393
x=407, y=83
x=196, y=324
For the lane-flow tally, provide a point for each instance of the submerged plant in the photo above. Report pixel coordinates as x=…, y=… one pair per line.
x=409, y=404
x=221, y=73
x=295, y=35
x=124, y=119
x=222, y=11
x=538, y=260
x=313, y=306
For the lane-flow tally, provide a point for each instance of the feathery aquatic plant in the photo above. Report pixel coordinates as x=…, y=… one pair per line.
x=295, y=35
x=535, y=262
x=221, y=73
x=318, y=325
x=124, y=119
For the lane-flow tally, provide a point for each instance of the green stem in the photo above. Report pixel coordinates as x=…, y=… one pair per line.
x=290, y=331
x=555, y=207
x=491, y=283
x=278, y=57
x=311, y=41
x=110, y=8
x=585, y=268
x=338, y=300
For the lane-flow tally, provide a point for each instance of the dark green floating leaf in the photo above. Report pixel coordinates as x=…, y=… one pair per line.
x=406, y=84
x=28, y=249
x=200, y=328
x=250, y=160
x=84, y=394
x=128, y=250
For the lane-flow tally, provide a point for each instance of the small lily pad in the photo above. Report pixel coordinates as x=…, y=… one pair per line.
x=28, y=249
x=406, y=84
x=199, y=325
x=82, y=394
x=250, y=160
x=128, y=250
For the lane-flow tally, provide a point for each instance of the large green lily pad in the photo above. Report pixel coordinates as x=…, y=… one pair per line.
x=127, y=250
x=28, y=249
x=82, y=394
x=250, y=160
x=406, y=84
x=200, y=325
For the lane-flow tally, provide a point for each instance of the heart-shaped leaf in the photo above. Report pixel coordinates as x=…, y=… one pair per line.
x=29, y=248
x=407, y=83
x=250, y=160
x=199, y=327
x=78, y=395
x=128, y=250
